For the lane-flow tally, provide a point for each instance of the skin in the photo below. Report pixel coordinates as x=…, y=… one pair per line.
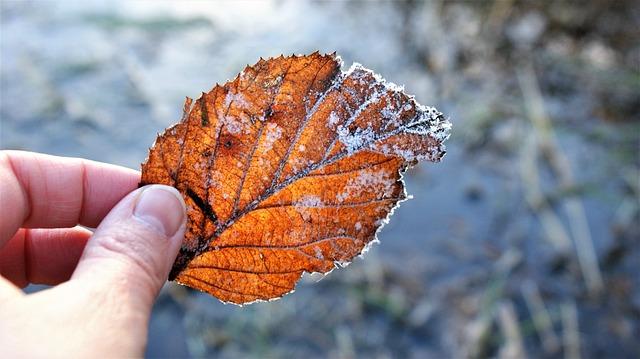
x=104, y=282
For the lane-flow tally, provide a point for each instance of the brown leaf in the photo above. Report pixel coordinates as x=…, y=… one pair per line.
x=291, y=167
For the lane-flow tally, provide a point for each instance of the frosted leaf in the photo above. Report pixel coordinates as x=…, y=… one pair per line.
x=291, y=167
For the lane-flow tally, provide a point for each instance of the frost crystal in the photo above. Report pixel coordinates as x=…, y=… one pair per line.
x=307, y=201
x=333, y=119
x=273, y=134
x=356, y=140
x=366, y=181
x=233, y=125
x=237, y=99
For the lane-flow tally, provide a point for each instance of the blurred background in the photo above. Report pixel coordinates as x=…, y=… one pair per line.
x=523, y=242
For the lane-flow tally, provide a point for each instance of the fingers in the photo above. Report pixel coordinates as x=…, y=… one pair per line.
x=42, y=256
x=44, y=191
x=132, y=250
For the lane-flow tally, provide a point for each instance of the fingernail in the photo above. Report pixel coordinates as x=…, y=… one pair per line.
x=162, y=208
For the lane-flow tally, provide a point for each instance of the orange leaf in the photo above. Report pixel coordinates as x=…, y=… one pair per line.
x=291, y=167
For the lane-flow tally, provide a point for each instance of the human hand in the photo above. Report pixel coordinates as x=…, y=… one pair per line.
x=106, y=281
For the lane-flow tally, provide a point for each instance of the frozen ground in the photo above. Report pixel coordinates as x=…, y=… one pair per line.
x=524, y=241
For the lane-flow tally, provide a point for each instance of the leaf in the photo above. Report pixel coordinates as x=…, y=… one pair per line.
x=291, y=167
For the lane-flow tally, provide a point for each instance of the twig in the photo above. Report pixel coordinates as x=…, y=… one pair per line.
x=552, y=225
x=513, y=347
x=541, y=318
x=571, y=335
x=344, y=341
x=561, y=165
x=478, y=332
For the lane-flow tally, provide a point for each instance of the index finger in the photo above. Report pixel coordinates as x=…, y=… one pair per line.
x=43, y=191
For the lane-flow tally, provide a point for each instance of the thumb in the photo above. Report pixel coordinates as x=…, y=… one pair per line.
x=132, y=251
